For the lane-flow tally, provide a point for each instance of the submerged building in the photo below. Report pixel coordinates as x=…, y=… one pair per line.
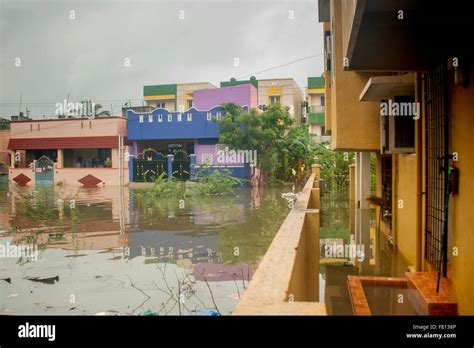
x=171, y=141
x=77, y=151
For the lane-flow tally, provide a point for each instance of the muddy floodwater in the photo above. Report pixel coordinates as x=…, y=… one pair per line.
x=68, y=250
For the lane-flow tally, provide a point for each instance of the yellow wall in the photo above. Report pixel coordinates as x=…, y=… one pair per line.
x=404, y=218
x=461, y=207
x=348, y=10
x=290, y=92
x=354, y=125
x=327, y=101
x=169, y=104
x=184, y=89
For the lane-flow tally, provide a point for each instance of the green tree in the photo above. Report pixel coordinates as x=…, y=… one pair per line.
x=280, y=146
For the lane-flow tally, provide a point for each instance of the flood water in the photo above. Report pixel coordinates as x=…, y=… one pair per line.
x=380, y=259
x=108, y=251
x=111, y=251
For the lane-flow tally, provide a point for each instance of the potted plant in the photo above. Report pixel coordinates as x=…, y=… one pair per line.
x=108, y=163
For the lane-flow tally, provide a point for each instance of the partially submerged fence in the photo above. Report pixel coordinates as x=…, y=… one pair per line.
x=287, y=279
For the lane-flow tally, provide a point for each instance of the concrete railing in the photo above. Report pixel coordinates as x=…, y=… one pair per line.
x=316, y=108
x=287, y=279
x=320, y=138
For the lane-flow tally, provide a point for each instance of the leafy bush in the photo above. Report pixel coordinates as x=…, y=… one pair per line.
x=208, y=183
x=164, y=187
x=219, y=181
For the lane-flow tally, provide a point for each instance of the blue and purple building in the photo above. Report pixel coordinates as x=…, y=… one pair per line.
x=177, y=142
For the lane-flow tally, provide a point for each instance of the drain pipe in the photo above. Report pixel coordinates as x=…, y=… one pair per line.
x=419, y=171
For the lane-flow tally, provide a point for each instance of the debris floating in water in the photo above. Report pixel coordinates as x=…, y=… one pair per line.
x=149, y=313
x=208, y=313
x=45, y=280
x=112, y=313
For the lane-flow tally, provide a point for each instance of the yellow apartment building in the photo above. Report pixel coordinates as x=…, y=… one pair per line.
x=399, y=81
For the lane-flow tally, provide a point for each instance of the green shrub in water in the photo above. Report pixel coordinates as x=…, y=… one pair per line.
x=219, y=181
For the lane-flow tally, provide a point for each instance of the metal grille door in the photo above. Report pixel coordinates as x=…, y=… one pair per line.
x=149, y=165
x=437, y=163
x=44, y=171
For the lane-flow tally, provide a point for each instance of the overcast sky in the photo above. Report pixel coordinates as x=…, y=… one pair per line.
x=86, y=56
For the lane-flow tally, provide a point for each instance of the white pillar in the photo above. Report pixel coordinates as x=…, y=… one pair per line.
x=364, y=188
x=12, y=158
x=363, y=205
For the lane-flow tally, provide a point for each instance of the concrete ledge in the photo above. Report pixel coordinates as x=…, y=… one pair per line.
x=431, y=302
x=294, y=308
x=287, y=280
x=360, y=305
x=425, y=299
x=385, y=87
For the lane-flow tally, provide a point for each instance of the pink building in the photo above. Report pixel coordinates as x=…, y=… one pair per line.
x=70, y=151
x=243, y=95
x=4, y=153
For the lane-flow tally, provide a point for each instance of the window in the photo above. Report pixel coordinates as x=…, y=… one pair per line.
x=150, y=118
x=141, y=118
x=170, y=117
x=397, y=133
x=274, y=99
x=207, y=158
x=218, y=115
x=209, y=116
x=405, y=125
x=87, y=158
x=190, y=103
x=160, y=118
x=189, y=116
x=180, y=117
x=327, y=49
x=29, y=156
x=161, y=105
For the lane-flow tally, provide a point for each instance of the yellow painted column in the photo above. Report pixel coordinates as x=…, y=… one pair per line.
x=316, y=170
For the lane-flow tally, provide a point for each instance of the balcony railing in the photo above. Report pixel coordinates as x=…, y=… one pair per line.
x=316, y=138
x=287, y=279
x=316, y=108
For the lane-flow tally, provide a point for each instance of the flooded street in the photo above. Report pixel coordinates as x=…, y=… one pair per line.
x=379, y=260
x=110, y=250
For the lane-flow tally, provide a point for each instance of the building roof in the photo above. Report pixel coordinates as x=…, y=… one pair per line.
x=159, y=90
x=63, y=143
x=55, y=119
x=253, y=82
x=316, y=82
